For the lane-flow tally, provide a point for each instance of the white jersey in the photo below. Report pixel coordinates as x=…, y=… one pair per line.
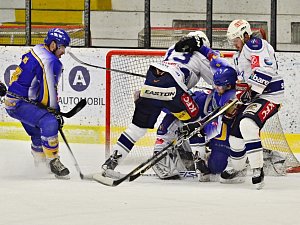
x=186, y=68
x=256, y=64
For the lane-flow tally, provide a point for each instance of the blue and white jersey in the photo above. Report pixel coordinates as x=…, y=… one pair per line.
x=37, y=76
x=256, y=64
x=186, y=68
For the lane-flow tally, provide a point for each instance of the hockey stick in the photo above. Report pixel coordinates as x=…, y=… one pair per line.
x=79, y=106
x=151, y=161
x=82, y=177
x=217, y=112
x=143, y=167
x=104, y=68
x=207, y=119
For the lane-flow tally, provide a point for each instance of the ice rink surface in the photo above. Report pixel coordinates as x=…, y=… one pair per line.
x=32, y=197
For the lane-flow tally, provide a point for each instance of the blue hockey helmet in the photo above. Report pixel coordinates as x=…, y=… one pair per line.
x=58, y=35
x=225, y=76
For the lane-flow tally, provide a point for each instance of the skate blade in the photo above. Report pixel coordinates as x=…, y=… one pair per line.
x=260, y=185
x=66, y=177
x=232, y=181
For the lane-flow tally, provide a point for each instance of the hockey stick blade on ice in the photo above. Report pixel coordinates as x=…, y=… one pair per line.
x=143, y=167
x=104, y=68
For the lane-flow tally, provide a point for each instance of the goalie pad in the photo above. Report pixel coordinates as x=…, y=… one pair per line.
x=176, y=162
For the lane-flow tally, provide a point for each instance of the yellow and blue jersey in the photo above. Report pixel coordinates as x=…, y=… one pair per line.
x=37, y=76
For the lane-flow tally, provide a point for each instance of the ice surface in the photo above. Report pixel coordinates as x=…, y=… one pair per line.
x=32, y=197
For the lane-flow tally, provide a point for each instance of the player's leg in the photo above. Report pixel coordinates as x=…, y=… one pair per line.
x=145, y=116
x=34, y=116
x=36, y=144
x=254, y=118
x=236, y=173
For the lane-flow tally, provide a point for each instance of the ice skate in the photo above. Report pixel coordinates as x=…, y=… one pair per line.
x=109, y=166
x=59, y=169
x=232, y=176
x=258, y=178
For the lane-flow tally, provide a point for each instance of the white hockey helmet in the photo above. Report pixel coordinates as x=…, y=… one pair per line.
x=201, y=35
x=238, y=28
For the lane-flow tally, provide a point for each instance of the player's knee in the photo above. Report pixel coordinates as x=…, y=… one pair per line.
x=49, y=125
x=249, y=129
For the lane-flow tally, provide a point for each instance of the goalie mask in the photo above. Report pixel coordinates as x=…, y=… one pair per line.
x=59, y=36
x=201, y=35
x=237, y=29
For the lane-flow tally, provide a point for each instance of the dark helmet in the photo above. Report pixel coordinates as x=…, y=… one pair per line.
x=58, y=35
x=225, y=76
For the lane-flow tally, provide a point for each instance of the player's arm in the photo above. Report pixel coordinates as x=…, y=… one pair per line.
x=53, y=76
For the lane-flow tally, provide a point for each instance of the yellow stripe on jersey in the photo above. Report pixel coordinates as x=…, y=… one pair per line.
x=45, y=99
x=183, y=115
x=223, y=133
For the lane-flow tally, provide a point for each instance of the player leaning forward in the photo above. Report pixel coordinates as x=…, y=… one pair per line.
x=260, y=88
x=35, y=82
x=166, y=86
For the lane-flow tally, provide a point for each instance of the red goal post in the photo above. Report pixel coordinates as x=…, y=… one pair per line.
x=120, y=105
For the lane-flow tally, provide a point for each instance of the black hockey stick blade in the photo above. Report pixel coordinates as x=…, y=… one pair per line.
x=78, y=107
x=112, y=182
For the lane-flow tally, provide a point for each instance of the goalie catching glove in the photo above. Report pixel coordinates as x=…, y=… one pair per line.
x=189, y=44
x=187, y=131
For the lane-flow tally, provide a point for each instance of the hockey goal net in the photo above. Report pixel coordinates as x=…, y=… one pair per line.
x=120, y=105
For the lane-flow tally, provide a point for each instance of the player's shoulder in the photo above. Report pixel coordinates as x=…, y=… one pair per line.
x=255, y=43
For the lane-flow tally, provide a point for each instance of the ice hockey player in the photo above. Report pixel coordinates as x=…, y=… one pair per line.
x=34, y=83
x=166, y=86
x=260, y=88
x=3, y=89
x=216, y=132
